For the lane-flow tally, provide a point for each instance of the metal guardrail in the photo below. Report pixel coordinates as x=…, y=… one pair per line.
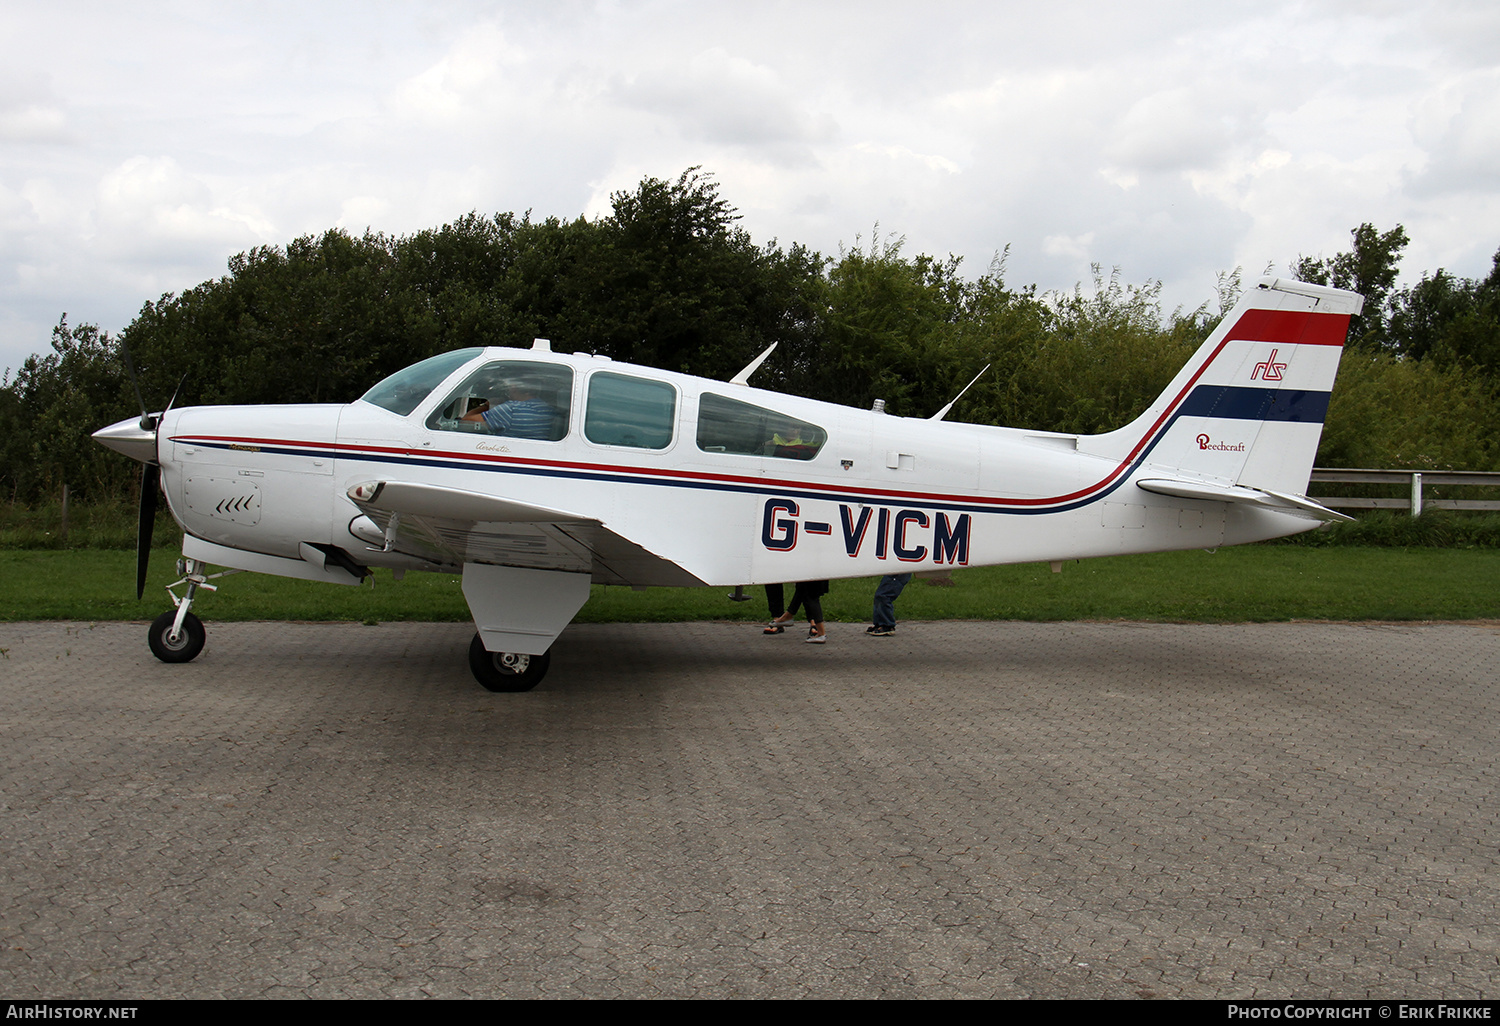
x=1415, y=480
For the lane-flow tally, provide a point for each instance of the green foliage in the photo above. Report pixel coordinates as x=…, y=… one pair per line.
x=1452, y=321
x=1107, y=357
x=887, y=326
x=104, y=525
x=1434, y=529
x=1370, y=268
x=671, y=282
x=48, y=412
x=1392, y=413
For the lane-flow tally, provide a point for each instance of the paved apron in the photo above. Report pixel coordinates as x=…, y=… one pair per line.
x=965, y=809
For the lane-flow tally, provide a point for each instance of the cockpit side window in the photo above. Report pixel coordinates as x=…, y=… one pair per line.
x=404, y=390
x=625, y=410
x=728, y=425
x=515, y=398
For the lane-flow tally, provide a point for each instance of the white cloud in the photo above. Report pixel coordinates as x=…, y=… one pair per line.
x=1458, y=127
x=480, y=73
x=150, y=208
x=1075, y=248
x=1174, y=130
x=32, y=123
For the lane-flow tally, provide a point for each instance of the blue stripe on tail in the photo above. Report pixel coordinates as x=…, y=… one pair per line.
x=1234, y=403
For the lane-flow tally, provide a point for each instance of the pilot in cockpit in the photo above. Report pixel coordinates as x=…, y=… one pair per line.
x=522, y=415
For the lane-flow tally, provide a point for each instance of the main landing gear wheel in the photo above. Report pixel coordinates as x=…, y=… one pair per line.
x=505, y=671
x=185, y=647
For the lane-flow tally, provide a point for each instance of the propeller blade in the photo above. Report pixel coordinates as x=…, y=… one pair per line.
x=146, y=526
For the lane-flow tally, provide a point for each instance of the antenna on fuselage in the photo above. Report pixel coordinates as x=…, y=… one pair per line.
x=940, y=414
x=743, y=377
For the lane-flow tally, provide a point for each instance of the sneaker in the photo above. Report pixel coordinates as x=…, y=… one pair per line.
x=879, y=631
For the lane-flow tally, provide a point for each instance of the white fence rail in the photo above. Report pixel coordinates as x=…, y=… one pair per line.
x=1415, y=481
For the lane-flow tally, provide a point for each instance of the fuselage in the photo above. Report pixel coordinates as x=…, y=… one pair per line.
x=734, y=485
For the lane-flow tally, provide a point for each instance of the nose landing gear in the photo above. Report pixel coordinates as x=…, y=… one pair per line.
x=177, y=636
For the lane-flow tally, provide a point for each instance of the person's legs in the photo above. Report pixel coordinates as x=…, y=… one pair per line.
x=775, y=601
x=885, y=599
x=816, y=633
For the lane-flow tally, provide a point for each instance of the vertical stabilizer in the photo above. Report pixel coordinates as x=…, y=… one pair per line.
x=1248, y=408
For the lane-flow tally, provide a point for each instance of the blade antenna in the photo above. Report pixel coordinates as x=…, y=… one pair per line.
x=940, y=414
x=146, y=424
x=180, y=382
x=743, y=377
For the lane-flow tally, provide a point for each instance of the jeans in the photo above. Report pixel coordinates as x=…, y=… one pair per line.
x=885, y=598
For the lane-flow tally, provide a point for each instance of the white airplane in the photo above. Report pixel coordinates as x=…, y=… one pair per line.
x=535, y=474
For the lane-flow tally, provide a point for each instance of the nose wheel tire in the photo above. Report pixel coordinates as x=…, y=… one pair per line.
x=506, y=671
x=182, y=649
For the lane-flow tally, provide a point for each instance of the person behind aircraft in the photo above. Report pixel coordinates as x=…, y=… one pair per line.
x=885, y=604
x=807, y=595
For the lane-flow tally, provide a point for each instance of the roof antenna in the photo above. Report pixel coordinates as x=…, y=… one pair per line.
x=743, y=377
x=940, y=414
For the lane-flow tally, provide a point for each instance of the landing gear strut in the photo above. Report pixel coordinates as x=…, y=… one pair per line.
x=506, y=671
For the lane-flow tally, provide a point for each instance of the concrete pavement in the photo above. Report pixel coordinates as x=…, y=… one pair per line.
x=1101, y=810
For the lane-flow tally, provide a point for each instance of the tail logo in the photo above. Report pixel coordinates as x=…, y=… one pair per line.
x=1268, y=369
x=1204, y=442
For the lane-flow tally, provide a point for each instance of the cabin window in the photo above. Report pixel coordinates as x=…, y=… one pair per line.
x=514, y=398
x=728, y=425
x=635, y=412
x=404, y=390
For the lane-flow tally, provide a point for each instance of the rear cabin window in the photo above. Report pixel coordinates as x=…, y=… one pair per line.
x=728, y=425
x=514, y=398
x=634, y=412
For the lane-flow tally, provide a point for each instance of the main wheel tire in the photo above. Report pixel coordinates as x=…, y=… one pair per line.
x=506, y=671
x=188, y=644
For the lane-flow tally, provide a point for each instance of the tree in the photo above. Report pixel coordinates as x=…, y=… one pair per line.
x=51, y=408
x=1369, y=268
x=1454, y=321
x=888, y=324
x=673, y=282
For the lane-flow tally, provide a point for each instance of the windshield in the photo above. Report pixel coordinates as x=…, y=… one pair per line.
x=404, y=391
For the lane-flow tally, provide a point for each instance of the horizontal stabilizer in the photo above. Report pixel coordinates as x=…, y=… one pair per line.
x=1299, y=505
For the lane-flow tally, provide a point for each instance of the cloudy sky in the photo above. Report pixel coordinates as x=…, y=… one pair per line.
x=143, y=144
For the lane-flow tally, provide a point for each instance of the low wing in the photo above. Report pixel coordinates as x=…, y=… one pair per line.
x=1298, y=505
x=451, y=527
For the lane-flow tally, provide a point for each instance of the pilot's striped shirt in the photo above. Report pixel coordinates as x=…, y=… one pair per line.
x=521, y=418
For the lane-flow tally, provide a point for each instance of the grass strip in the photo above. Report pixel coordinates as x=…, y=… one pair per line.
x=1249, y=583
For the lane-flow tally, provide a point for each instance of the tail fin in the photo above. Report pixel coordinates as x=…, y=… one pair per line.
x=1247, y=410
